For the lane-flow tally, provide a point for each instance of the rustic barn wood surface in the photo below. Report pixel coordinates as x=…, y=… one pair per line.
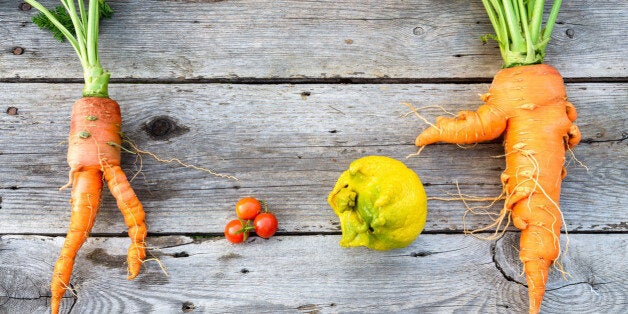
x=284, y=95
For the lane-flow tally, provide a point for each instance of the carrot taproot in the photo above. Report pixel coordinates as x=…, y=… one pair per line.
x=94, y=144
x=527, y=103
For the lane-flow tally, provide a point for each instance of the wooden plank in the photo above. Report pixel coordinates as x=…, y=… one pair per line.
x=292, y=39
x=436, y=274
x=288, y=149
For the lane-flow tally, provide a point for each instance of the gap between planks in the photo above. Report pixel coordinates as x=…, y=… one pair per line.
x=296, y=234
x=304, y=80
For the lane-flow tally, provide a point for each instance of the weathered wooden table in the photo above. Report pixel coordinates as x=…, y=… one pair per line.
x=283, y=95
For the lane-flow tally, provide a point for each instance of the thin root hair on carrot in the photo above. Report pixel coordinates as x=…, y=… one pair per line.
x=153, y=258
x=178, y=161
x=573, y=157
x=68, y=287
x=161, y=265
x=138, y=170
x=498, y=226
x=466, y=197
x=418, y=152
x=498, y=220
x=415, y=111
x=467, y=146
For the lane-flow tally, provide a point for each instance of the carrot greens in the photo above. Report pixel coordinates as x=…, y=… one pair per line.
x=79, y=26
x=519, y=30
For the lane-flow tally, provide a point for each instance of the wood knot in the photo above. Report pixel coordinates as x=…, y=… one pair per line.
x=418, y=31
x=12, y=111
x=25, y=6
x=163, y=128
x=18, y=51
x=188, y=307
x=570, y=32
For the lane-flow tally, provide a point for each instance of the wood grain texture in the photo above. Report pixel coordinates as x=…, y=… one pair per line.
x=305, y=274
x=290, y=39
x=288, y=144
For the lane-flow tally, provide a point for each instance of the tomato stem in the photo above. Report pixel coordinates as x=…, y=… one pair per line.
x=247, y=227
x=264, y=205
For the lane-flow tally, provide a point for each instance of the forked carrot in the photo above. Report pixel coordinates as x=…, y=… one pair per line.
x=527, y=103
x=94, y=144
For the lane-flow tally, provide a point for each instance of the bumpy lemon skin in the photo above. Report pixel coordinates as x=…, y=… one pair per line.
x=381, y=204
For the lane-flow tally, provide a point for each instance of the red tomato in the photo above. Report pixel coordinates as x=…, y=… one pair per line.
x=248, y=208
x=236, y=231
x=265, y=225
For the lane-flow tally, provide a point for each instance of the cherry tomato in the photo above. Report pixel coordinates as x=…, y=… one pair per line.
x=265, y=225
x=248, y=208
x=236, y=231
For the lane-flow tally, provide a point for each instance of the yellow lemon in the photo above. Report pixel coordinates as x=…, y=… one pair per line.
x=381, y=204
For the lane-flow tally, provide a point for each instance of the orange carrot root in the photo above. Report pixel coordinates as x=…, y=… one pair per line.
x=133, y=213
x=94, y=154
x=85, y=200
x=529, y=104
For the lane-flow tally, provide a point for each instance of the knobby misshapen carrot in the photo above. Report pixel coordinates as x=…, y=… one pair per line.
x=94, y=144
x=527, y=103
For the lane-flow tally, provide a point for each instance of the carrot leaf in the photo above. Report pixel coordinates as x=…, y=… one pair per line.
x=60, y=13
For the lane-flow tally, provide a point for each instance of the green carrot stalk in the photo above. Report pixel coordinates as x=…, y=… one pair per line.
x=79, y=26
x=519, y=30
